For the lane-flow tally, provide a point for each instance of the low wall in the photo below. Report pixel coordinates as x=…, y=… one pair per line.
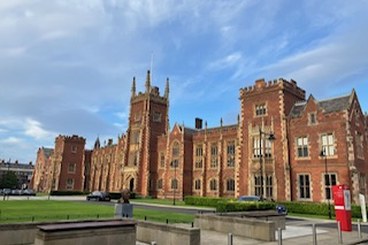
x=266, y=215
x=166, y=234
x=25, y=233
x=246, y=227
x=114, y=232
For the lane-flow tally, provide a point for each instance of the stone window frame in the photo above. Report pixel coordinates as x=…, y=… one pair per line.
x=70, y=184
x=312, y=118
x=302, y=147
x=214, y=155
x=74, y=149
x=175, y=154
x=325, y=187
x=230, y=185
x=198, y=156
x=162, y=158
x=330, y=145
x=173, y=182
x=359, y=145
x=72, y=168
x=230, y=153
x=160, y=184
x=197, y=183
x=260, y=109
x=156, y=116
x=213, y=185
x=266, y=148
x=299, y=197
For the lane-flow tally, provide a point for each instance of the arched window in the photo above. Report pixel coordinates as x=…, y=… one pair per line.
x=213, y=185
x=175, y=149
x=159, y=184
x=174, y=184
x=197, y=184
x=230, y=185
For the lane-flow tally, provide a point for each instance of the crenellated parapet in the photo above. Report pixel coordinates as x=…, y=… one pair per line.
x=261, y=86
x=71, y=139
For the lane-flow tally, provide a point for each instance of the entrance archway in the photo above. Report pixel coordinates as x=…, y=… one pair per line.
x=131, y=184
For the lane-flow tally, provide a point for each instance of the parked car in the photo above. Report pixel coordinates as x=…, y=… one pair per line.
x=249, y=199
x=6, y=191
x=98, y=196
x=16, y=192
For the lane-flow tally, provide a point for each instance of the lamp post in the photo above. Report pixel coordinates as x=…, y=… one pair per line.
x=324, y=154
x=271, y=137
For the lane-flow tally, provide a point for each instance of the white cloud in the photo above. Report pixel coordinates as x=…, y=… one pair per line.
x=34, y=129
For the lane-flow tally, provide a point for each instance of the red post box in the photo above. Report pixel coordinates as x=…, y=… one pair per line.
x=342, y=199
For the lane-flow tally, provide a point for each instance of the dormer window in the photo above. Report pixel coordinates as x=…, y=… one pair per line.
x=260, y=109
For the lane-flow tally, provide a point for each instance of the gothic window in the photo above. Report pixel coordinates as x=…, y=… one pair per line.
x=312, y=118
x=175, y=149
x=70, y=184
x=329, y=181
x=328, y=144
x=359, y=145
x=269, y=186
x=135, y=137
x=258, y=185
x=302, y=143
x=174, y=184
x=260, y=110
x=230, y=185
x=197, y=184
x=198, y=156
x=74, y=149
x=162, y=160
x=231, y=153
x=304, y=186
x=159, y=184
x=213, y=185
x=174, y=163
x=214, y=156
x=265, y=150
x=71, y=168
x=157, y=116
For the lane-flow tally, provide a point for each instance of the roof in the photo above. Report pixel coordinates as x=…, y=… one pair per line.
x=328, y=106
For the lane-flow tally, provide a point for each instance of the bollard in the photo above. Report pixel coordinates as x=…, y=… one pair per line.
x=192, y=222
x=314, y=233
x=279, y=233
x=230, y=239
x=359, y=229
x=167, y=221
x=145, y=217
x=339, y=237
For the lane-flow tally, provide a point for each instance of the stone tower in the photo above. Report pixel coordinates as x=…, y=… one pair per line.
x=148, y=119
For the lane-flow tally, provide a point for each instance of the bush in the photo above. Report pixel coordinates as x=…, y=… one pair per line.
x=68, y=193
x=235, y=206
x=203, y=201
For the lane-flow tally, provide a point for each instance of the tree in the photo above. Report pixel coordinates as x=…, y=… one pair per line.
x=8, y=180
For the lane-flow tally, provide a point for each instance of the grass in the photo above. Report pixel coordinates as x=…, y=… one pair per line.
x=48, y=210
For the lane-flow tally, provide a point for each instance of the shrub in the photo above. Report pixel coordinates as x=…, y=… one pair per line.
x=235, y=206
x=202, y=201
x=68, y=193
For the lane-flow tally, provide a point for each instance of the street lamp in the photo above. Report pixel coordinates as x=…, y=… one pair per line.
x=324, y=154
x=271, y=137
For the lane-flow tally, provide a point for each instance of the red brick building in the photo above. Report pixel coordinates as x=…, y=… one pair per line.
x=282, y=147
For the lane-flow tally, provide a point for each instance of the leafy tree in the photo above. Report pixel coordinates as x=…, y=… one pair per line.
x=8, y=180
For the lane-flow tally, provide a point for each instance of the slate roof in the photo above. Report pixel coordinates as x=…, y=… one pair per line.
x=328, y=106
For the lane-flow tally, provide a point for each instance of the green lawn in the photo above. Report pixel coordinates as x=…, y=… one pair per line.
x=42, y=210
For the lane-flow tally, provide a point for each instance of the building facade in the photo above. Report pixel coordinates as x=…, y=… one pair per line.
x=283, y=147
x=22, y=171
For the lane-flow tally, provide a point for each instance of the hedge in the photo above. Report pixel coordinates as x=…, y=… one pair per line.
x=236, y=206
x=203, y=201
x=68, y=193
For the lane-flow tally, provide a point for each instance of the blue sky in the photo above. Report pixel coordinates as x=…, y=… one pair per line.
x=66, y=66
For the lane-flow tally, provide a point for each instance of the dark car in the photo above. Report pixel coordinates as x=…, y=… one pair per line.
x=99, y=196
x=249, y=199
